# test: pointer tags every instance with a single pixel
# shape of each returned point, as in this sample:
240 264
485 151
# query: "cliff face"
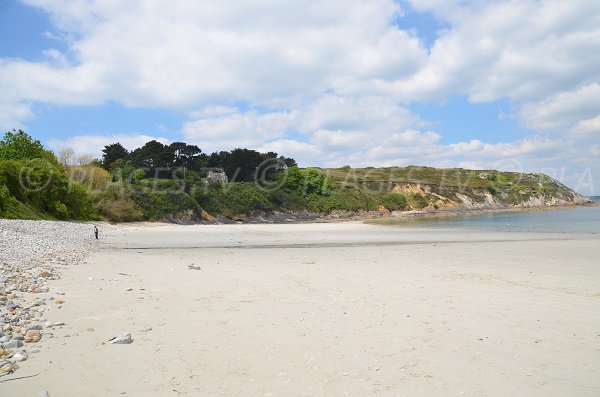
476 198
435 188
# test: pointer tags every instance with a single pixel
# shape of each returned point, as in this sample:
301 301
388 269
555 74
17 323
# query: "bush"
120 210
45 189
239 198
158 205
393 201
346 200
417 201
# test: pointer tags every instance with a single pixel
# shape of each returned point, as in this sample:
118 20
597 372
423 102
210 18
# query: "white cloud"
93 144
329 79
13 114
155 53
232 130
306 154
587 128
563 109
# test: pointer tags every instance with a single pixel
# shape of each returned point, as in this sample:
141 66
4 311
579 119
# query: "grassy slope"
509 188
352 189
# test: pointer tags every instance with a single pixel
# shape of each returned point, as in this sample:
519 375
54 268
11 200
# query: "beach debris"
45 394
194 267
123 339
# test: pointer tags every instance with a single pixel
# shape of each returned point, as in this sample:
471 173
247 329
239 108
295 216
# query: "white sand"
324 310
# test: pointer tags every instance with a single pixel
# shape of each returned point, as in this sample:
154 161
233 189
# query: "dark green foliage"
184 155
393 201
232 199
44 188
152 155
244 165
346 200
17 145
112 153
417 201
209 197
315 182
156 205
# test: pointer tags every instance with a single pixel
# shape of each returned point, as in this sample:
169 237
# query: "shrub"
393 201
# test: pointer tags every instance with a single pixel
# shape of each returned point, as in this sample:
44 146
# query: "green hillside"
179 183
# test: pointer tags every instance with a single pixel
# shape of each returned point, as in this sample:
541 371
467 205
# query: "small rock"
146 329
33 336
124 339
129 289
20 356
7 368
13 344
44 394
37 327
59 324
5 339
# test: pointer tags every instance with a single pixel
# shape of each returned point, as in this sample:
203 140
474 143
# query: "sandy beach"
337 309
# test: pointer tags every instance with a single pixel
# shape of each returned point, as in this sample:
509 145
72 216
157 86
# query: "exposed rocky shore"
31 254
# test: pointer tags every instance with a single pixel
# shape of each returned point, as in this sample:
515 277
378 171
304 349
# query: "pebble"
146 329
33 336
13 344
29 253
45 394
7 368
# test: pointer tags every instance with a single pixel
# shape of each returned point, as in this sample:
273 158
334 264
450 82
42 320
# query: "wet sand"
338 309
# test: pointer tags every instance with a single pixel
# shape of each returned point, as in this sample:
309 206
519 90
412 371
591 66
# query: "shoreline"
368 216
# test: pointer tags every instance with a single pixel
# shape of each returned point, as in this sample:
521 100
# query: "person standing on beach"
96 232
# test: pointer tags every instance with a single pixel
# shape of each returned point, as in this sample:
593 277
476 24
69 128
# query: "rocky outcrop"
547 194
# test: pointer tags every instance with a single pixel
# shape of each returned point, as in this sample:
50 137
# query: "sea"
560 220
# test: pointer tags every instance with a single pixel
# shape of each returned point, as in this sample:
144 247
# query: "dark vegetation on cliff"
178 182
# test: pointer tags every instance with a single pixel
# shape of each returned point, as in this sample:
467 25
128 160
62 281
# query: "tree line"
241 165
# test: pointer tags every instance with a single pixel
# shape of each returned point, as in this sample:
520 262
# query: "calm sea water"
568 220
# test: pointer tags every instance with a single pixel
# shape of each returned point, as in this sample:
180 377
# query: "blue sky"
477 84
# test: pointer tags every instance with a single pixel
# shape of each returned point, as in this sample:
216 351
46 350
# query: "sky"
485 84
